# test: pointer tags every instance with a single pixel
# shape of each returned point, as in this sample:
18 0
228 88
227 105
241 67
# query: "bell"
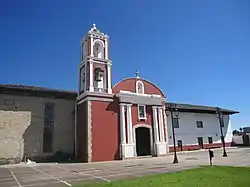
98 78
98 74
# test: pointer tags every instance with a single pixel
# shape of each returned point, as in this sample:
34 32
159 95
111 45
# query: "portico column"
129 124
91 87
155 121
122 124
161 124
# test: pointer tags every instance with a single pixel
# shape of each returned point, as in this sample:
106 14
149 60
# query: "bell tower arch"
95 65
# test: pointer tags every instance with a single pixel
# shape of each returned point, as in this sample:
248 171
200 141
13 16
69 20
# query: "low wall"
197 147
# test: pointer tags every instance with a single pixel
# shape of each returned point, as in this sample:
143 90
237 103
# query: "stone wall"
21 127
13 124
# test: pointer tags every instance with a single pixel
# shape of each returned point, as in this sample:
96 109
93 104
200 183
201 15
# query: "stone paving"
59 175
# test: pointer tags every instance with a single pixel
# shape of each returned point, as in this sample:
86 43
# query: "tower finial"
137 74
94 26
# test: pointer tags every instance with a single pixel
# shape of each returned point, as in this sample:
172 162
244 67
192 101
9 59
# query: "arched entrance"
143 143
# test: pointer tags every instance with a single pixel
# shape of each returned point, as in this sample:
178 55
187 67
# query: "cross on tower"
137 74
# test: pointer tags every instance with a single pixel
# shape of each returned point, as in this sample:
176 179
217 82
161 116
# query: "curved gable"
129 84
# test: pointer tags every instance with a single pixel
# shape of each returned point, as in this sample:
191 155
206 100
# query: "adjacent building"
102 121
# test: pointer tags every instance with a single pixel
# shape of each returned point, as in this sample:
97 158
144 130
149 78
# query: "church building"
101 121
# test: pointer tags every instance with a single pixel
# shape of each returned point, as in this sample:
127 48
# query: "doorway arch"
143 139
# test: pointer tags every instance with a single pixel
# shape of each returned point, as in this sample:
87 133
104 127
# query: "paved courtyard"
61 175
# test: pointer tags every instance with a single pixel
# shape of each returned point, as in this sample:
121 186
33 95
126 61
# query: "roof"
246 129
19 89
200 108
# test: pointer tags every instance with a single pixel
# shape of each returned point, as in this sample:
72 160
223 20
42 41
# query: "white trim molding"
109 78
95 99
129 124
106 49
160 143
127 143
89 130
138 94
155 122
91 46
91 81
122 124
161 128
99 41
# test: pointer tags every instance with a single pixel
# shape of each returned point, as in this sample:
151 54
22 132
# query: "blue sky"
197 51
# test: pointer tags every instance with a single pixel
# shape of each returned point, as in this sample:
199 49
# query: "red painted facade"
130 85
105 131
149 113
105 122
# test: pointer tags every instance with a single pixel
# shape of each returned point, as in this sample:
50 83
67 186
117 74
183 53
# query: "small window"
199 124
176 122
48 129
210 140
49 112
142 111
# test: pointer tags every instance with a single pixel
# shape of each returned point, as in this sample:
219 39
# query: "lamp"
176 112
221 122
169 109
167 112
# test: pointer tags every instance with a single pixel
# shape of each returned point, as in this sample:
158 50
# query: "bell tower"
95 66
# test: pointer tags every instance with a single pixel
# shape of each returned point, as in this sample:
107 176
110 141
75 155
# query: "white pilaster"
155 121
84 51
165 121
129 124
161 128
106 49
91 87
109 77
91 46
122 124
85 77
82 71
